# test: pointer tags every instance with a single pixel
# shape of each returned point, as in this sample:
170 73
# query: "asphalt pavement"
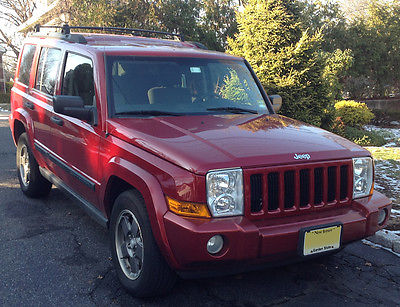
52 253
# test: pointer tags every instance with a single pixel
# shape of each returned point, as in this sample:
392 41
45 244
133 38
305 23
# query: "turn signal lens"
188 209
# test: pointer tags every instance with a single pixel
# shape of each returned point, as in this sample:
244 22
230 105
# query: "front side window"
78 78
48 68
26 63
181 85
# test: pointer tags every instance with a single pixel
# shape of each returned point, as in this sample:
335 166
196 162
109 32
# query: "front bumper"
263 241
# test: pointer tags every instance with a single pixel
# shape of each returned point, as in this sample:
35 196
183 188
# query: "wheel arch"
123 175
21 122
18 129
115 186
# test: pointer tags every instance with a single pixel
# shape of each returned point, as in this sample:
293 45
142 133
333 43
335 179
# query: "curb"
386 239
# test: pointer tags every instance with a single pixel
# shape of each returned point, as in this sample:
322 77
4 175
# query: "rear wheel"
140 266
32 183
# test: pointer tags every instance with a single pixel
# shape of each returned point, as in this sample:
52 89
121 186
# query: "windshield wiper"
233 110
149 113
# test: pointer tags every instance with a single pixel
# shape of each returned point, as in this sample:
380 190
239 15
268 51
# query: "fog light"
382 216
215 244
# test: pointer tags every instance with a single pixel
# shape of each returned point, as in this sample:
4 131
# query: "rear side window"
47 72
26 63
78 78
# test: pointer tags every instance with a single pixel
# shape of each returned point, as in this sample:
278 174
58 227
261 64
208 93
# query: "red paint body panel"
201 143
170 156
260 241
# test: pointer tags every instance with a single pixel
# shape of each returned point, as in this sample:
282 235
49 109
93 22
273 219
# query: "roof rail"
74 37
66 30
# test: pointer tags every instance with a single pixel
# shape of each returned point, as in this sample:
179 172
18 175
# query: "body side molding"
65 167
93 211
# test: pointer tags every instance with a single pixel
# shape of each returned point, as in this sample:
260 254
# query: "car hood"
202 143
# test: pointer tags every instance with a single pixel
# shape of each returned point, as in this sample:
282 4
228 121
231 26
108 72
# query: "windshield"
149 86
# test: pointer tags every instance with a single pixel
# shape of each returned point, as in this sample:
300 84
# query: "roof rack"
66 30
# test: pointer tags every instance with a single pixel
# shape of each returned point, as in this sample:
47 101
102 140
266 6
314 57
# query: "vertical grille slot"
289 189
256 184
343 182
273 191
331 183
318 185
304 187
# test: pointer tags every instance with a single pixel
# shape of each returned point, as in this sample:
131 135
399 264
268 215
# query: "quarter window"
47 73
78 78
26 64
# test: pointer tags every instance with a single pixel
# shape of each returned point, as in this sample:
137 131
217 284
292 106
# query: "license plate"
320 239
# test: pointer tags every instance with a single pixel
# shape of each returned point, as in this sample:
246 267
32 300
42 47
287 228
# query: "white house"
46 13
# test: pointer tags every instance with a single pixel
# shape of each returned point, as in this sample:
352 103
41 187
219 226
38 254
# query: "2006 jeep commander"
179 152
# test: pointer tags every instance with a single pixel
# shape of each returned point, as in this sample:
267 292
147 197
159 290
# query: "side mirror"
276 102
73 106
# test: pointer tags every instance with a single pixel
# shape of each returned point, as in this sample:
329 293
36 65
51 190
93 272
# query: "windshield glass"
149 86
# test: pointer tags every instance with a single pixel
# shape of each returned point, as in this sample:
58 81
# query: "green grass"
385 153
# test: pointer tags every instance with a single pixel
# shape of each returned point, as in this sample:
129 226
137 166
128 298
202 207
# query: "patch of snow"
395 123
392 135
391 144
395 212
387 172
366 242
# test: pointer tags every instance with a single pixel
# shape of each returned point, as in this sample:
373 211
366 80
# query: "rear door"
39 66
76 142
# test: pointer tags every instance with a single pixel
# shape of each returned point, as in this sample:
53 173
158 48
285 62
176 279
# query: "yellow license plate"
322 240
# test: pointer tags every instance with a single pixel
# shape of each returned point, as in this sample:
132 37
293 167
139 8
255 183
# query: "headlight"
225 192
363 176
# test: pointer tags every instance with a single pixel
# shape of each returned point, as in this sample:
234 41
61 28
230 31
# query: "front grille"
299 188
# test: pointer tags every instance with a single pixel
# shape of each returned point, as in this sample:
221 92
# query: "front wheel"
32 183
140 266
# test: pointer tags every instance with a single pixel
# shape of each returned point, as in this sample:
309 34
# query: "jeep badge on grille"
302 156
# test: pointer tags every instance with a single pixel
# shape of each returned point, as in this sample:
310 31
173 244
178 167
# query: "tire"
32 183
140 266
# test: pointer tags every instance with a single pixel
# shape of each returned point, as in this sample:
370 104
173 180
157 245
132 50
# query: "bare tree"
14 13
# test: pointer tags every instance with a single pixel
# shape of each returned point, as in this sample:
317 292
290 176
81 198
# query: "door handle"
57 121
29 105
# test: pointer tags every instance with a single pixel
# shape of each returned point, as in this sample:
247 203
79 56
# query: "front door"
76 142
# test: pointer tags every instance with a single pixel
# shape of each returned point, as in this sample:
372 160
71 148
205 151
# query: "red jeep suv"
178 151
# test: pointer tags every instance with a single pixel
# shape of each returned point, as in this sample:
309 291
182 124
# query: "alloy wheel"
129 244
24 166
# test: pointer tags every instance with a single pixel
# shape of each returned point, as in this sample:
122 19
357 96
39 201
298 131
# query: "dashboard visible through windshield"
150 86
